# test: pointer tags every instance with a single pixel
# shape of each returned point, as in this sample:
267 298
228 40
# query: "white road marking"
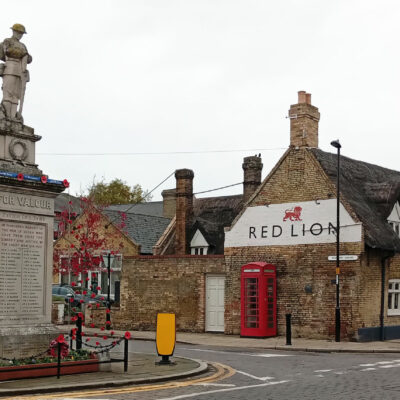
240 354
368 369
390 366
320 376
366 365
340 372
264 378
323 370
384 362
185 396
215 384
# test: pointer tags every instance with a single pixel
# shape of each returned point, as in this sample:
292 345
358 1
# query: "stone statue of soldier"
14 72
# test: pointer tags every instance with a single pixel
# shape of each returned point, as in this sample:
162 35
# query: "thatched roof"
212 215
372 192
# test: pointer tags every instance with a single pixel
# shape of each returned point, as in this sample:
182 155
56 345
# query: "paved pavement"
142 367
274 343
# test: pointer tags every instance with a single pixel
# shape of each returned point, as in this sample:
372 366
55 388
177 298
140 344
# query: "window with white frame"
394 297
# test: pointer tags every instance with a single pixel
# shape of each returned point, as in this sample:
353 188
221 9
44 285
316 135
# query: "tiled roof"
143 229
154 208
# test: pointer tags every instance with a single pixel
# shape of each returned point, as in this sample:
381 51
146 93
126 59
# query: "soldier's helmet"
18 28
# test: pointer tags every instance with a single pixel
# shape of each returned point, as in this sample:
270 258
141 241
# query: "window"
199 251
394 297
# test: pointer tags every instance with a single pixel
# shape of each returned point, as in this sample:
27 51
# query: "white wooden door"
215 303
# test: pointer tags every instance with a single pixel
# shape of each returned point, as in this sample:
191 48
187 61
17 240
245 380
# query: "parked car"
91 296
67 292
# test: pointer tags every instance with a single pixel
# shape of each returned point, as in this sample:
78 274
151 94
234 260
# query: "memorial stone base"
20 342
26 265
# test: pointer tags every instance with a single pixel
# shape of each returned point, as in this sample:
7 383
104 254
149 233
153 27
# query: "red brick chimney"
252 168
169 202
184 209
304 119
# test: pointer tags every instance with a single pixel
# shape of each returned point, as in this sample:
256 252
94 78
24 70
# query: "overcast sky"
212 79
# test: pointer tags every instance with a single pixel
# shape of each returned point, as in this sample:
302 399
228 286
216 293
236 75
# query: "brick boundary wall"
175 284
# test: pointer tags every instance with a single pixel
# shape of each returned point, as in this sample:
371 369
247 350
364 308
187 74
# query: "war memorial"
26 216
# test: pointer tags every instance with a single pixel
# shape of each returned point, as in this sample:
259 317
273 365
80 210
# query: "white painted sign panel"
292 223
344 257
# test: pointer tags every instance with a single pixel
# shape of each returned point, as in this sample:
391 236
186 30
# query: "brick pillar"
169 202
304 119
252 168
184 209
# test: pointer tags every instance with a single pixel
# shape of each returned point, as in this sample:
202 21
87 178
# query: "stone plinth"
26 261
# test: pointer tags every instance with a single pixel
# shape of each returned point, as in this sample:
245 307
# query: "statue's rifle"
24 72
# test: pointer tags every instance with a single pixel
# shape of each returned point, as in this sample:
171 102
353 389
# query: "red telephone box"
258 300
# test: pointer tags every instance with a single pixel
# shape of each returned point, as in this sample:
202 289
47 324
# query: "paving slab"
274 343
142 368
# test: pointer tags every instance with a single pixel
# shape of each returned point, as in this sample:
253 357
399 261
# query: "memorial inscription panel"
22 269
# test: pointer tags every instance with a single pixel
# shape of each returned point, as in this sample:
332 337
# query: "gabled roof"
212 214
154 208
371 191
143 229
61 203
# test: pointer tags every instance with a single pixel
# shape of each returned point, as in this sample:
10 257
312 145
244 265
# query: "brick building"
288 220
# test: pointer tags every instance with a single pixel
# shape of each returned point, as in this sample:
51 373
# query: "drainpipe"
383 280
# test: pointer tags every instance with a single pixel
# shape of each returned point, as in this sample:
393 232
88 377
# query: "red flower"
98 288
105 337
127 335
95 334
65 183
80 315
88 339
92 325
112 333
108 311
97 343
81 301
73 284
43 178
71 300
102 328
93 295
84 292
97 305
61 339
108 322
20 177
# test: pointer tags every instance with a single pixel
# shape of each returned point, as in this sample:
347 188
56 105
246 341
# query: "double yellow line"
222 372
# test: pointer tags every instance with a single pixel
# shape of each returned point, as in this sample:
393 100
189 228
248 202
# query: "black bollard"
58 360
126 354
288 329
79 333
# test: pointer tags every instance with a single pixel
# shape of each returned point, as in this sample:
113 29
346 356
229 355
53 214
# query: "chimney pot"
308 98
302 96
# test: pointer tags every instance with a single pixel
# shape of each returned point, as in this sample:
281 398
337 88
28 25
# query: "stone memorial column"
26 217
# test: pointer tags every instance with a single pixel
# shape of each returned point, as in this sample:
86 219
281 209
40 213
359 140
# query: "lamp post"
108 314
337 145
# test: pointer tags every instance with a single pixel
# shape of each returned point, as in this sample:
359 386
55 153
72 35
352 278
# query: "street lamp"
337 145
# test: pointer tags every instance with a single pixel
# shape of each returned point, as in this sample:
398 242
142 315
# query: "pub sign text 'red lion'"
292 223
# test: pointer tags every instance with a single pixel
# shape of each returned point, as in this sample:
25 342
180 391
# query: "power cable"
222 187
147 195
160 152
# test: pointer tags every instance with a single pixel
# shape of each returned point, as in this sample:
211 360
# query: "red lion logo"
293 214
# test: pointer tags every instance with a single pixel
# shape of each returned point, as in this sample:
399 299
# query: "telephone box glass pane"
251 303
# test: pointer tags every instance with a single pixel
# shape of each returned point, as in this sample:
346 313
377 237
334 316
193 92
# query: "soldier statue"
14 72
